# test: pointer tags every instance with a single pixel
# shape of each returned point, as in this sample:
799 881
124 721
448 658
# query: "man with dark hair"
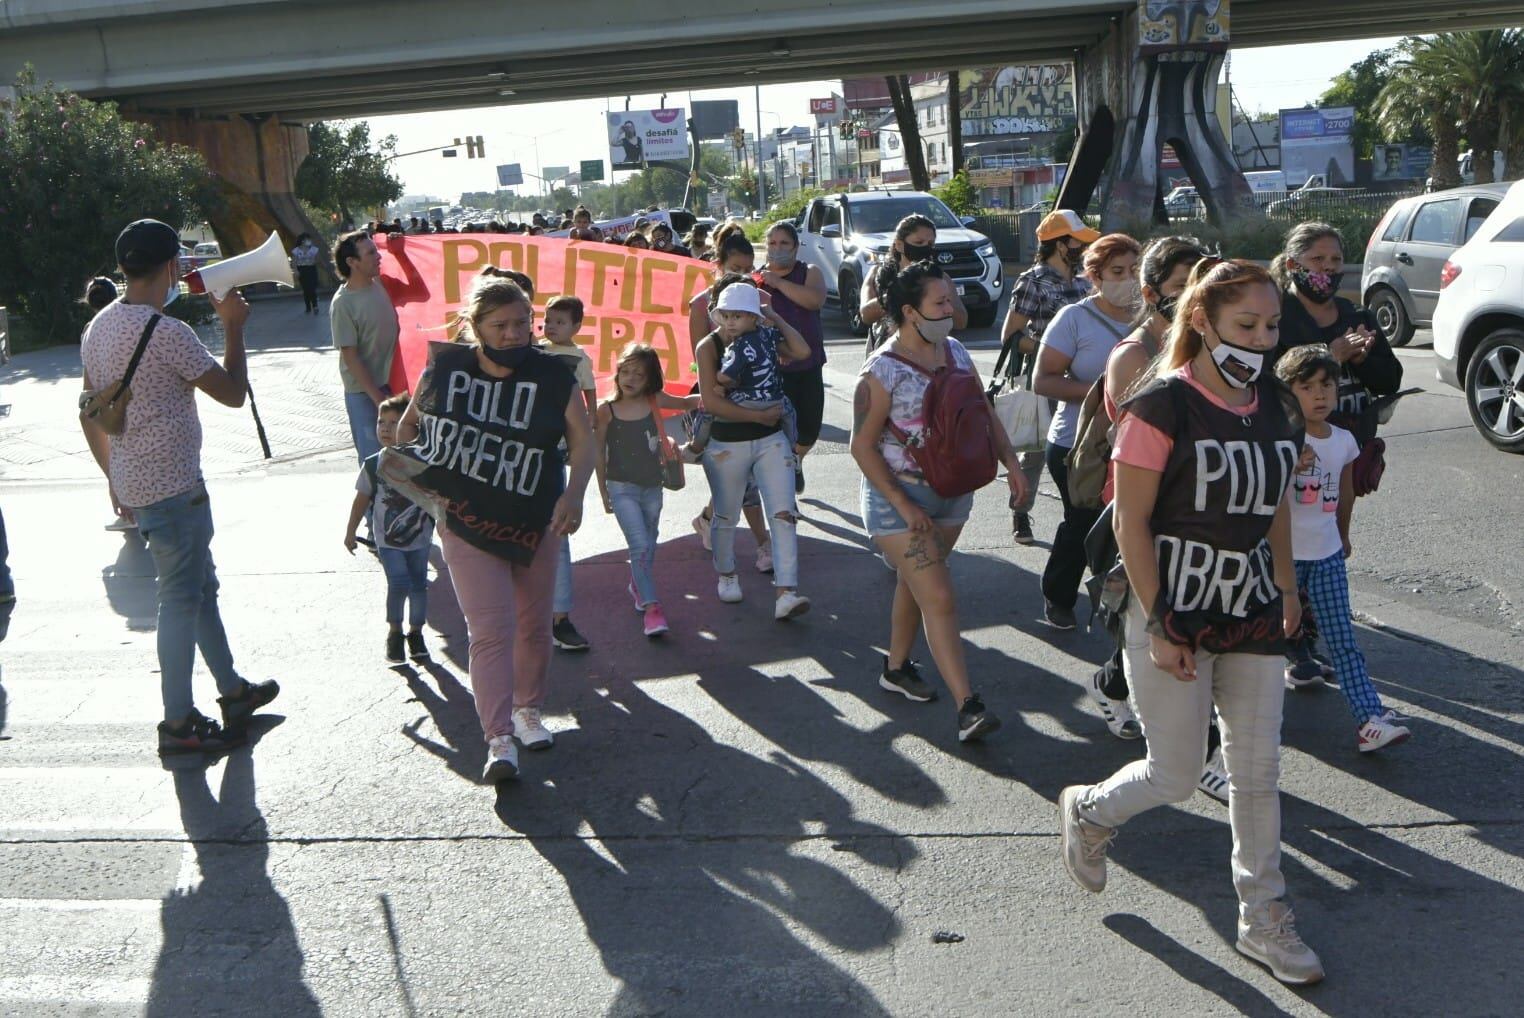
154 466
365 331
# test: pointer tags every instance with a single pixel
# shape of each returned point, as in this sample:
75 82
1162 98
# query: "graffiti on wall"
1182 24
1027 99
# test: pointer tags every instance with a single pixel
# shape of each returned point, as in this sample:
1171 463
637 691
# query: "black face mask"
919 252
511 357
1318 287
1166 307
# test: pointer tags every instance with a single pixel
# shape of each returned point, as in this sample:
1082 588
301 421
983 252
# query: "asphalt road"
734 820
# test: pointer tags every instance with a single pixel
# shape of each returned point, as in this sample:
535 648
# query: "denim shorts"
881 518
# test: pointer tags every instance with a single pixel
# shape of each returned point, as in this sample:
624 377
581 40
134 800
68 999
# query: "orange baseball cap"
1065 223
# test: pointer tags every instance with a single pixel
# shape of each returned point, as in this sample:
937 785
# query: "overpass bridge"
238 79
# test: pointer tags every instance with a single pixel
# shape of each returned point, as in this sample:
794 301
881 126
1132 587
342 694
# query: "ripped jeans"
770 463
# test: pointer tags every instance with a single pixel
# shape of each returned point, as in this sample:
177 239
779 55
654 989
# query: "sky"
564 133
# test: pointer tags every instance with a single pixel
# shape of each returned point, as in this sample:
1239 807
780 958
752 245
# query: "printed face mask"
508 356
1075 256
1318 287
934 330
1166 307
919 252
1122 293
1239 366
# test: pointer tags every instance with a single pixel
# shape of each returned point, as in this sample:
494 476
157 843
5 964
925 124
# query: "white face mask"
1123 293
173 294
934 330
1239 366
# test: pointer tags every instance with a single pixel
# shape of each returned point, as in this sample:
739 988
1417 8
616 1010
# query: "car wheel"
850 290
982 318
1391 315
1495 389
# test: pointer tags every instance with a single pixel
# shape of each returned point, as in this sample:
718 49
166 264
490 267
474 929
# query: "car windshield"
883 216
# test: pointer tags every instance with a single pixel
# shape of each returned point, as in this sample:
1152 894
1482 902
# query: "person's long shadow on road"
132 584
706 863
229 944
452 709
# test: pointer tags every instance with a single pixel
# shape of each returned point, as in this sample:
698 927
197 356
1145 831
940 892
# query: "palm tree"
1414 95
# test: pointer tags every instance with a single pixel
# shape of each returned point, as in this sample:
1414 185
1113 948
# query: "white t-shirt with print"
1315 498
159 454
907 399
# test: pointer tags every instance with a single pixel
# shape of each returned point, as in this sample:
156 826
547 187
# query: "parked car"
1408 248
1184 201
845 235
1479 323
1306 199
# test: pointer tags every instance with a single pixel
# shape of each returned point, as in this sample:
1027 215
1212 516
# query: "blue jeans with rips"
179 535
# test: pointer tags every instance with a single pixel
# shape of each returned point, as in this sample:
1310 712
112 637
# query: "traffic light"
474 148
847 130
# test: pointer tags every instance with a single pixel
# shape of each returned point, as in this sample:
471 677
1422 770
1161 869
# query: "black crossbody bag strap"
137 355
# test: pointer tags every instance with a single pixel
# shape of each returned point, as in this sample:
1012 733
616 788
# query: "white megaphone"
265 264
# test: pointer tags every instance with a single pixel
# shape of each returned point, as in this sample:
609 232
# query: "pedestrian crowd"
1209 425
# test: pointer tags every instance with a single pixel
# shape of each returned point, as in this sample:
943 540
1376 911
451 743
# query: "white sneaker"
1270 938
502 760
1214 777
530 730
790 604
1084 843
1117 713
765 557
702 525
1381 731
730 589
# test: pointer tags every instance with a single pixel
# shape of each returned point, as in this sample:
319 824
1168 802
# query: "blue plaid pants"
1327 586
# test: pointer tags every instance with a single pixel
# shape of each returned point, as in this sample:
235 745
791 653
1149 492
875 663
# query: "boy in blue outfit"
749 369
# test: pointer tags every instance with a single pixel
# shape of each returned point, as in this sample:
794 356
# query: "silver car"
1400 284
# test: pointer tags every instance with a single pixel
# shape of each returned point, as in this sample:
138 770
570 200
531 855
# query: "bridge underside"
307 61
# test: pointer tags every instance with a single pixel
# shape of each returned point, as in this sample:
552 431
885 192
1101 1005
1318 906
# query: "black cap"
146 244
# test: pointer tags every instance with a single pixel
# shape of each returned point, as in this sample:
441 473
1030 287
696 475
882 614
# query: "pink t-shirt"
1140 444
158 456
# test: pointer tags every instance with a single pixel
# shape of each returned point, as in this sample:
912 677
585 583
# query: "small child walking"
1322 502
403 533
629 435
563 317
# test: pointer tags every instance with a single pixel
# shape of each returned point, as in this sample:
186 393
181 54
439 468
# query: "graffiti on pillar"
1182 24
1021 99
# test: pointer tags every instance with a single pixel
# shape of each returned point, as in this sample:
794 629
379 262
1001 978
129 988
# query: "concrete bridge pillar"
255 158
1153 96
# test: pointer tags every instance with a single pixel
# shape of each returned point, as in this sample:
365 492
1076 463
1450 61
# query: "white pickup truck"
844 235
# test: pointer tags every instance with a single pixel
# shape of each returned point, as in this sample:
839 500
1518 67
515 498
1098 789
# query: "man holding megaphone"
138 411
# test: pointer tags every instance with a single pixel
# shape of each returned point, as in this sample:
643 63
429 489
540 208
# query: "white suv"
1479 323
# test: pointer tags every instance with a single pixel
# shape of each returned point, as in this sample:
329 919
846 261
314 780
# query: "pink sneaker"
656 619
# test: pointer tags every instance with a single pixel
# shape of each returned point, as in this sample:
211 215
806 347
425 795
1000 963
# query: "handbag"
671 460
109 412
1021 412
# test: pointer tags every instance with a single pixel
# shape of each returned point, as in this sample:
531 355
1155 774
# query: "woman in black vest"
485 425
1204 457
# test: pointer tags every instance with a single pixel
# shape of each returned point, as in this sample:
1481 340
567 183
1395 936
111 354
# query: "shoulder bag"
106 408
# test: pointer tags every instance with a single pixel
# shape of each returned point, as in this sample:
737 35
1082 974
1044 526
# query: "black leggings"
1066 562
308 277
806 390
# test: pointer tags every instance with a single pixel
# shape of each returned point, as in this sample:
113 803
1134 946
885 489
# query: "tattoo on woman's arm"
862 400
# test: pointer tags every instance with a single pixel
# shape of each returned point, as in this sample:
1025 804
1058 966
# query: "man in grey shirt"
365 333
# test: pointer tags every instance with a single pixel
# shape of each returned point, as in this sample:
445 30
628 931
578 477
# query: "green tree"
72 174
1360 86
344 172
959 195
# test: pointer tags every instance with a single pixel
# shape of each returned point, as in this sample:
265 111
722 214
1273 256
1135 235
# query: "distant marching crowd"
1211 425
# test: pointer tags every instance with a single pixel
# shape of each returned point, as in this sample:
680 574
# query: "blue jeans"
179 535
407 580
638 510
362 423
882 519
770 463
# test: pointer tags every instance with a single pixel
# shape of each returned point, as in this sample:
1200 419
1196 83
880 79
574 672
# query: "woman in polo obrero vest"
1204 457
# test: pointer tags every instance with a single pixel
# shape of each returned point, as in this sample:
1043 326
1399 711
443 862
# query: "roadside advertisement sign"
638 137
510 175
1318 142
629 295
823 107
1401 162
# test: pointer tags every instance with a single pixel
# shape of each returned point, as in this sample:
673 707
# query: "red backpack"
956 451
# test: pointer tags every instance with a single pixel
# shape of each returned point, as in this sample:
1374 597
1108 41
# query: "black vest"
1226 476
487 446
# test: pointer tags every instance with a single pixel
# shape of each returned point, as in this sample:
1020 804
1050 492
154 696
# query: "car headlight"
987 251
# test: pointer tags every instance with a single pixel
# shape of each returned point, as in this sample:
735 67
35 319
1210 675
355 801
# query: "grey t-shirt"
1084 335
366 320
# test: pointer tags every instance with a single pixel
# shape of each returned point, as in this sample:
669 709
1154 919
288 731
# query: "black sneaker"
1058 617
1021 528
394 655
798 478
236 712
974 721
199 734
906 680
416 649
566 637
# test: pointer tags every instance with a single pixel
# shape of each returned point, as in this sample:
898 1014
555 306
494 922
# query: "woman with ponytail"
1204 456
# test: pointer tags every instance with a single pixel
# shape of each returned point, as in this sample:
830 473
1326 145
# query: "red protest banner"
628 294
